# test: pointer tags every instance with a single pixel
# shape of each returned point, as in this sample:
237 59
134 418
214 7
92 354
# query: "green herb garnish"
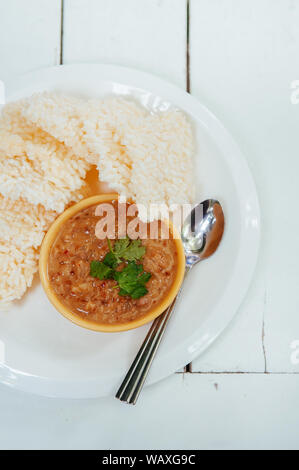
101 270
110 260
131 279
125 249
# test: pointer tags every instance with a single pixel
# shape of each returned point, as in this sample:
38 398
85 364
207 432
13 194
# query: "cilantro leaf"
132 280
122 292
121 245
110 260
144 277
100 270
134 251
126 249
140 291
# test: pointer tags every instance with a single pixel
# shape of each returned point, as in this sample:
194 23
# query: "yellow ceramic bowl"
64 310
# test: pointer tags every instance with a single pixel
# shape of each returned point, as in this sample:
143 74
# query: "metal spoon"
201 234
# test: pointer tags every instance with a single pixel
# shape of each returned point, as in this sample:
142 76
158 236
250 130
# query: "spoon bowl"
202 231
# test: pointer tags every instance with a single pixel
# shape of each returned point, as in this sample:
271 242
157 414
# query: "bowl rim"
67 312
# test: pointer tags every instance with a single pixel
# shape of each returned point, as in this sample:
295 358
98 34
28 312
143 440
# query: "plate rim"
41 385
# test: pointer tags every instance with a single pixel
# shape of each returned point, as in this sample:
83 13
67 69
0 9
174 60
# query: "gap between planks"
188 367
61 30
238 373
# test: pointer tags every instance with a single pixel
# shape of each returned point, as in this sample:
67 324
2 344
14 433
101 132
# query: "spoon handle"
135 378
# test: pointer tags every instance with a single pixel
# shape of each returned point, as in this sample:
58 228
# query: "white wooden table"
239 57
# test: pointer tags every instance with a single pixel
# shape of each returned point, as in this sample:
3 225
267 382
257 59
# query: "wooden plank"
244 56
29 36
193 412
240 347
148 35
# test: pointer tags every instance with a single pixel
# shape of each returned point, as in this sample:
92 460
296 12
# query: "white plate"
48 355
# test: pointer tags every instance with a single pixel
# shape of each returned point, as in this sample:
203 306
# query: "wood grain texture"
29 35
149 35
244 56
